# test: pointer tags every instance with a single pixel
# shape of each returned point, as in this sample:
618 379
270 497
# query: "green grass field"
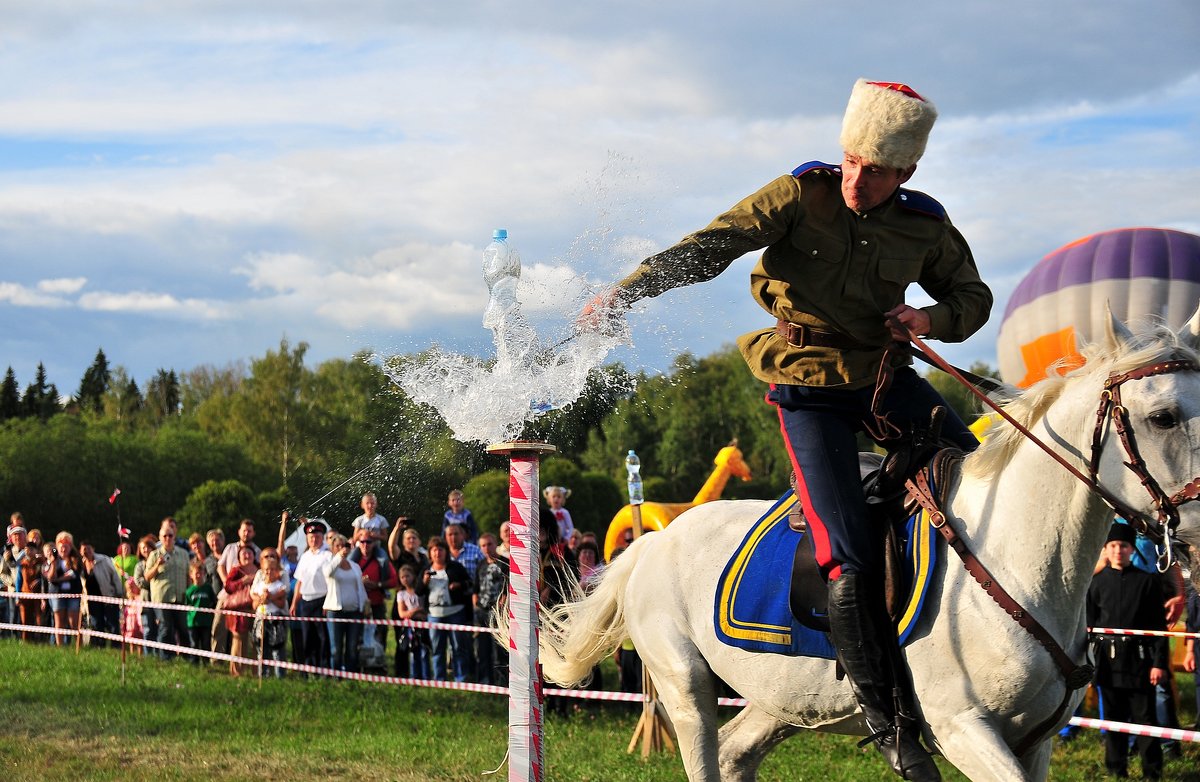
65 716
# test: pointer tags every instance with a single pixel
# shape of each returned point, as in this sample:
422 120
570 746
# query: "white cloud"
145 302
21 296
399 287
62 285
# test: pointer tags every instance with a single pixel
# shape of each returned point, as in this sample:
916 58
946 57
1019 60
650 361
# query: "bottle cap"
500 233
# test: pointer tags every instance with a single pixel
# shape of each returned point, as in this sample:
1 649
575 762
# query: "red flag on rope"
122 532
113 498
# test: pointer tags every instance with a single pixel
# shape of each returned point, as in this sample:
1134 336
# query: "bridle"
1166 507
1110 408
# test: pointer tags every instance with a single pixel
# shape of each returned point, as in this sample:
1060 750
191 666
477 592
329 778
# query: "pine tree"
96 380
162 395
10 396
41 398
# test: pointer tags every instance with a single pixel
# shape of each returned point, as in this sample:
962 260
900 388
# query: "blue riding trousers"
819 427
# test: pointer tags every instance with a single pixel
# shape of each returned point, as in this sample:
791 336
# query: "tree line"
215 444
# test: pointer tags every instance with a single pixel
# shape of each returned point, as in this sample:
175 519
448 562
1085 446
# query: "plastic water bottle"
501 271
633 465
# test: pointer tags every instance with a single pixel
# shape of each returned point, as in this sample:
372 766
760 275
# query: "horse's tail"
588 626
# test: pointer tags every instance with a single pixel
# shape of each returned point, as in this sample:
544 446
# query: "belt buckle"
800 332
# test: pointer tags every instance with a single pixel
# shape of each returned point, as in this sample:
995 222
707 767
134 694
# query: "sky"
187 183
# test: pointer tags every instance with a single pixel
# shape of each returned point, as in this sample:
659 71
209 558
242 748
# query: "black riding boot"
861 633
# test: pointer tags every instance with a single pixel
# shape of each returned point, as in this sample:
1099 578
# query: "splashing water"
490 401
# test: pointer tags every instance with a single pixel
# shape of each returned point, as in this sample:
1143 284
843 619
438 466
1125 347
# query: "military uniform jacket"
1129 599
831 268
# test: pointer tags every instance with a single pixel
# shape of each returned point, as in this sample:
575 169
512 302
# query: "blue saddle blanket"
752 610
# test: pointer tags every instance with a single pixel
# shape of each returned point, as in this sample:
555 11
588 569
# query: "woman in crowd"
64 574
346 599
145 545
269 594
449 588
409 552
588 555
237 590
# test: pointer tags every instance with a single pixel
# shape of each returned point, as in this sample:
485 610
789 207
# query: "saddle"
883 479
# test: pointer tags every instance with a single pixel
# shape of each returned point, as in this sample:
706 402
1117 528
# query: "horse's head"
1146 434
1129 417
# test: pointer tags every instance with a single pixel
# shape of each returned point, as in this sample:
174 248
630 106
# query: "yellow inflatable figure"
657 515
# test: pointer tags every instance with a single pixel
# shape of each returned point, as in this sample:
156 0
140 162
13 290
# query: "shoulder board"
915 201
816 165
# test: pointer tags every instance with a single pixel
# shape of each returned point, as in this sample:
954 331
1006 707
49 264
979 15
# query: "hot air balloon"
1060 303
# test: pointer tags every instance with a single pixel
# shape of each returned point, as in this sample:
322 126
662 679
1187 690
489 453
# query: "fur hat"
887 123
1121 532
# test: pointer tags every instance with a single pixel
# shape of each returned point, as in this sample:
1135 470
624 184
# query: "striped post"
526 756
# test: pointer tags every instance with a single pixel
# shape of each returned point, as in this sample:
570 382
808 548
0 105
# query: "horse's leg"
976 749
688 691
1037 760
748 738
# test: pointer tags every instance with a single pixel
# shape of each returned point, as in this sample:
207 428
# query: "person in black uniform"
1128 668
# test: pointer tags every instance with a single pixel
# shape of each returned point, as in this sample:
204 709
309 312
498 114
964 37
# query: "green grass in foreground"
67 717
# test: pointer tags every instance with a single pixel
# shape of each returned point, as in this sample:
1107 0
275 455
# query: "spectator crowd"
304 599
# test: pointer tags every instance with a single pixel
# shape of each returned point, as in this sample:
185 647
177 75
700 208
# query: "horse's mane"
1152 341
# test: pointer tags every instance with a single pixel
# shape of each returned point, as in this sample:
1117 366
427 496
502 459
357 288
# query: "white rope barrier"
1151 633
1137 730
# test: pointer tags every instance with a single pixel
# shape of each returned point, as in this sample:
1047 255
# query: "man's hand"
1174 608
916 321
601 311
1189 662
1157 676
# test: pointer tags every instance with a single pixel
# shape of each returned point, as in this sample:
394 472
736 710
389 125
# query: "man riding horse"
842 244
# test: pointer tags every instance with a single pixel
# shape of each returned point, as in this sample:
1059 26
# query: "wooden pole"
526 753
652 728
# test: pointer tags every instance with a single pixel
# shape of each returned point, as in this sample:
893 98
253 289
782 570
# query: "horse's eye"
1163 419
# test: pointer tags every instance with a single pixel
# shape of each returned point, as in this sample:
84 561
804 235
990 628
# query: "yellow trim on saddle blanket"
756 630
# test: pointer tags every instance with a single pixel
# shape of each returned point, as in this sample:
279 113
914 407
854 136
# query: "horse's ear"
1190 333
1116 333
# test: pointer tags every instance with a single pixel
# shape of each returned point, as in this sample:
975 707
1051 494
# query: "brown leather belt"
800 336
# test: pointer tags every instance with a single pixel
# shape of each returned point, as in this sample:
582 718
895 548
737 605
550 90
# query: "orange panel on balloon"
1045 350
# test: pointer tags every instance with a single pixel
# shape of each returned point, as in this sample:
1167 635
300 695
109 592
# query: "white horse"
983 683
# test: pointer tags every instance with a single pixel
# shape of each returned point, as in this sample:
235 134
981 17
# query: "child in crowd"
32 581
556 498
411 641
131 623
269 597
199 595
459 514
